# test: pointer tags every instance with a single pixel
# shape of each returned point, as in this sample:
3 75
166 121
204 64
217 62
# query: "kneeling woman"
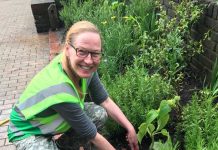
53 102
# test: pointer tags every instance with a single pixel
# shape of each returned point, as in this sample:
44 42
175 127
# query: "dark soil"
120 143
192 83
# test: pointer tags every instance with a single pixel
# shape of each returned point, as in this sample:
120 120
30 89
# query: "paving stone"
7 142
3 107
10 87
12 101
6 111
8 147
3 117
2 142
9 82
23 53
2 93
3 129
3 135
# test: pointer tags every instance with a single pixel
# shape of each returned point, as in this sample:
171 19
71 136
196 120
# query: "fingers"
136 147
133 143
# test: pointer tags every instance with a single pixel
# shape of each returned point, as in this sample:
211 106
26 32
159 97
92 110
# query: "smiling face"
86 41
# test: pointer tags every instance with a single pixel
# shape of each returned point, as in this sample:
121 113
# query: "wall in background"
203 63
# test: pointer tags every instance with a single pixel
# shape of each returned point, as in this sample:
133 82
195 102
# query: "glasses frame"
100 54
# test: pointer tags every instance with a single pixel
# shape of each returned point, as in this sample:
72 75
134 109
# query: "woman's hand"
114 112
101 143
132 139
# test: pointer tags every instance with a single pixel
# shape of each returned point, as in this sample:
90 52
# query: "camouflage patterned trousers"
68 141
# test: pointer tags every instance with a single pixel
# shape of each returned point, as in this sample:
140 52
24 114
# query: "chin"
85 75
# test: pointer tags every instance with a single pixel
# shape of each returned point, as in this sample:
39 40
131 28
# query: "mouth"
86 68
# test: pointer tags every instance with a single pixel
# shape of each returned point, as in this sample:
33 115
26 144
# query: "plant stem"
152 142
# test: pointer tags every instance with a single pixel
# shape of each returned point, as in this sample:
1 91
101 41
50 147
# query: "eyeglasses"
83 53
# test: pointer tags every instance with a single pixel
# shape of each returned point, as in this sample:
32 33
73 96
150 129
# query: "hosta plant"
155 122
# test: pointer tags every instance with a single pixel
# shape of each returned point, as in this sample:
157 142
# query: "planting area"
145 68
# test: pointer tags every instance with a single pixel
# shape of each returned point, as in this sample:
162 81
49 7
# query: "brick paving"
23 52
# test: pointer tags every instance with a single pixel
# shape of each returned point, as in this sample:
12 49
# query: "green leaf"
162 122
168 145
142 131
172 102
151 116
151 128
159 146
164 109
215 92
115 4
165 132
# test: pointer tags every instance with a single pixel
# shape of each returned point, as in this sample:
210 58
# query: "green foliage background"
200 122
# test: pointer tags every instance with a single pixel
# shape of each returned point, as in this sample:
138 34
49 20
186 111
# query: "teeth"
84 67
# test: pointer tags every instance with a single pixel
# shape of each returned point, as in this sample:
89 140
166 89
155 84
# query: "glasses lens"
82 53
96 56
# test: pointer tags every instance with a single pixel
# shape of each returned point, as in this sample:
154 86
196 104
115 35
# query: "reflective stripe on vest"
53 90
34 104
14 129
53 126
31 107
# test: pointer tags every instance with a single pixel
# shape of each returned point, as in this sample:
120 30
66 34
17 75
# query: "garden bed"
192 83
146 56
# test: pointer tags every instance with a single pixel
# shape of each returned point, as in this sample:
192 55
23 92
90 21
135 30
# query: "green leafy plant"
159 117
135 92
200 122
170 48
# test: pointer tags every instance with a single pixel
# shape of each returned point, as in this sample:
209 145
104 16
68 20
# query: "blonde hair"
80 27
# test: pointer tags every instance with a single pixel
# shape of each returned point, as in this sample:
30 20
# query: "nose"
88 59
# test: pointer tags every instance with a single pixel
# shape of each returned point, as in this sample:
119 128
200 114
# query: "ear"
66 49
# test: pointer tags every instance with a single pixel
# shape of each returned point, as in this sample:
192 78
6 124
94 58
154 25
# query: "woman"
53 102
